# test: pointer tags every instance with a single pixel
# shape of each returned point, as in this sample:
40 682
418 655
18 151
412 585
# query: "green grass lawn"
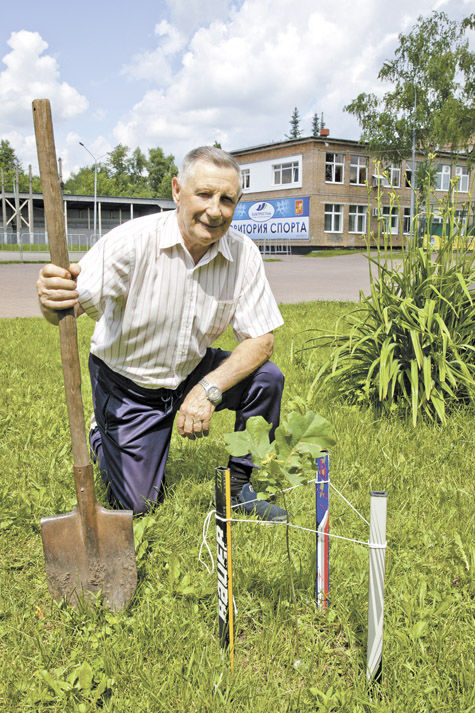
162 654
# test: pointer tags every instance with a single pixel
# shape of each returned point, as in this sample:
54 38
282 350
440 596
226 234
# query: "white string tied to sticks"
207 521
204 542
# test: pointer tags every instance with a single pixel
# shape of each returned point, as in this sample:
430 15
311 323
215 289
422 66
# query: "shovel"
89 550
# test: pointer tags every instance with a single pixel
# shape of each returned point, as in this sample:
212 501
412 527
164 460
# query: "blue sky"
180 73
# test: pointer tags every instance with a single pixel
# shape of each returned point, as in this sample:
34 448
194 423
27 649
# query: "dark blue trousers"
134 424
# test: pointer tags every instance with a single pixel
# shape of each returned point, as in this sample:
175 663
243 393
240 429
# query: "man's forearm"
245 358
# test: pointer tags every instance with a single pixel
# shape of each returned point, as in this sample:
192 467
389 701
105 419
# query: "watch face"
214 393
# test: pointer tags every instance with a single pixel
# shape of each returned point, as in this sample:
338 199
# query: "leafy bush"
410 343
298 441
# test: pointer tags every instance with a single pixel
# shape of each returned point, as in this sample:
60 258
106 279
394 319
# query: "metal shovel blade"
74 569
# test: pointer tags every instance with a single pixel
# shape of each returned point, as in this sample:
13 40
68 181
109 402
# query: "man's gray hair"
210 154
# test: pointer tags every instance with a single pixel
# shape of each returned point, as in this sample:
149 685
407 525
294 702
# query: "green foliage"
124 173
298 441
162 654
161 170
77 687
316 125
11 164
8 159
127 174
410 344
433 91
295 130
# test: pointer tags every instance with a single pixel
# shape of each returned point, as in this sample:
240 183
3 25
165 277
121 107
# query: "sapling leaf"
312 449
298 440
254 440
293 478
299 429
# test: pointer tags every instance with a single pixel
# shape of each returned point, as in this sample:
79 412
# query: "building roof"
162 203
324 140
327 141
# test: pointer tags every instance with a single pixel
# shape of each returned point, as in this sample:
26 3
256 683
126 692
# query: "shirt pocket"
218 317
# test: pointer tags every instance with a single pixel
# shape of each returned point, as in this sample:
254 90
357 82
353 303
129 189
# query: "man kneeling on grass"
161 289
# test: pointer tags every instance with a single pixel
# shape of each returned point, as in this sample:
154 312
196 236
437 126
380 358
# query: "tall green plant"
410 343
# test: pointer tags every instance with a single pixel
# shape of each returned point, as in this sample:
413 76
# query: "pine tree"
295 131
316 125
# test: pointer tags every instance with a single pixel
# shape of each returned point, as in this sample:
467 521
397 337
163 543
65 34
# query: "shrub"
410 343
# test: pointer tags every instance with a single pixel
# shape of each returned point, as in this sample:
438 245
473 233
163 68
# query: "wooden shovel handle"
53 203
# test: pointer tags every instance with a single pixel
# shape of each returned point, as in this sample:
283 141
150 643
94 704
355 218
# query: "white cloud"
226 70
239 74
157 64
188 15
32 74
242 75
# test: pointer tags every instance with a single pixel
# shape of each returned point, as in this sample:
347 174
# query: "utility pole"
95 188
413 162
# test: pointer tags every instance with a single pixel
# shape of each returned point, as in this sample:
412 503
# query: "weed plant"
162 654
410 343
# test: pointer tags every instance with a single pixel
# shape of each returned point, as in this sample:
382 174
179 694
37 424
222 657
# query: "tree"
295 131
82 182
10 163
316 125
127 174
433 92
8 157
161 170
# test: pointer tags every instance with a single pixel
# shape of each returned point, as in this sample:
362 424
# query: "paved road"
293 278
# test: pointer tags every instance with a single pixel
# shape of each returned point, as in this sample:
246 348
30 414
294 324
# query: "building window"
334 168
358 170
286 173
391 219
357 219
462 173
392 176
461 220
406 221
408 175
245 178
333 217
442 178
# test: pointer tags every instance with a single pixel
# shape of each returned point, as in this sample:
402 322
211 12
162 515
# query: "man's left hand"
195 414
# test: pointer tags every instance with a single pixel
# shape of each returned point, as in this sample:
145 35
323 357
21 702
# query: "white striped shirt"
157 312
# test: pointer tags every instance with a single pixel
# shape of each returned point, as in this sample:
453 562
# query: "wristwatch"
213 392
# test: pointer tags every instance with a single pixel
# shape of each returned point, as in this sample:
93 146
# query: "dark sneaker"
246 501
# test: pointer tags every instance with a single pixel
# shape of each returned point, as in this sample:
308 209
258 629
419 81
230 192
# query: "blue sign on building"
283 218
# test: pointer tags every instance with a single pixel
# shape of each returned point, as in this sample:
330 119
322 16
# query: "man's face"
205 204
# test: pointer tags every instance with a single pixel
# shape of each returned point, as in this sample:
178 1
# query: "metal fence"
275 247
37 241
82 240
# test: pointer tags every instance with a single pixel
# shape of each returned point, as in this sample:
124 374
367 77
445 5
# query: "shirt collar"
174 237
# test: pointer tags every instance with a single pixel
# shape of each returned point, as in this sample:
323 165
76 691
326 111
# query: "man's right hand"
56 289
